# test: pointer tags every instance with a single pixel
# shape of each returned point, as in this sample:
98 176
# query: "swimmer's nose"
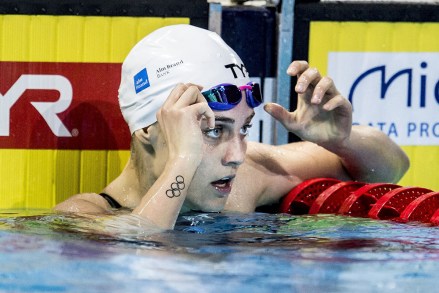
235 152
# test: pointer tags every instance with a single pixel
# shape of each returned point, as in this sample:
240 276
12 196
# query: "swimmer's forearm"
370 156
163 201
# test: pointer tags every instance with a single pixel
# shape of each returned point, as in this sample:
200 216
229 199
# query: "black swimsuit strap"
113 203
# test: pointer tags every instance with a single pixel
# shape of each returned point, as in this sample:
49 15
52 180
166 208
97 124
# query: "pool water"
41 251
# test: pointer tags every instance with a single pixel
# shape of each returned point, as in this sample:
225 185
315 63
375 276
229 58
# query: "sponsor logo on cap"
141 81
242 70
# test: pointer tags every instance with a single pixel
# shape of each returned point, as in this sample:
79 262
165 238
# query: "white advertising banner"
395 92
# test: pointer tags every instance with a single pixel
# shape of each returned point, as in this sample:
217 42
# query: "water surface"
45 252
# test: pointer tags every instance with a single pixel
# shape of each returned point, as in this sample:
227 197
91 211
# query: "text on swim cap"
166 69
241 68
141 81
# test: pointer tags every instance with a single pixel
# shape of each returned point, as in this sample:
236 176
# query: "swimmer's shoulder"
275 170
86 203
266 154
291 155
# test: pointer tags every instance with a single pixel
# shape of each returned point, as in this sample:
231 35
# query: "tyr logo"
47 110
241 68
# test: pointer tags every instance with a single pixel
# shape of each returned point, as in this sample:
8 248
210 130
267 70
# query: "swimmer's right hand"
180 120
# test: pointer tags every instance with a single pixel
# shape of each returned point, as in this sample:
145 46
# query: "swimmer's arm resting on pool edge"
332 147
277 169
323 116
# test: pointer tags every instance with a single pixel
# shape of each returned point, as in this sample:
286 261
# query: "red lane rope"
383 201
361 201
421 209
391 205
300 198
435 218
330 200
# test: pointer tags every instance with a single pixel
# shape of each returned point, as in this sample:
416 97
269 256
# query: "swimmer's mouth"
224 185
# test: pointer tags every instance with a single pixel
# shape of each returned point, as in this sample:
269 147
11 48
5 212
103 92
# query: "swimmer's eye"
246 129
213 132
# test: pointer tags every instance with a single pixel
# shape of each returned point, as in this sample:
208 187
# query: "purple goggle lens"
226 96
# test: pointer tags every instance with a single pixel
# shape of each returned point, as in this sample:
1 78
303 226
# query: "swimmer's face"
224 151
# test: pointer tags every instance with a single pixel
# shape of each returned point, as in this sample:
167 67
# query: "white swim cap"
168 56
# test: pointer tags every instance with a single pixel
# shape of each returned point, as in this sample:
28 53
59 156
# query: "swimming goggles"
226 96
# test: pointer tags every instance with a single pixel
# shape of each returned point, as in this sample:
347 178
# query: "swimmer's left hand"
323 115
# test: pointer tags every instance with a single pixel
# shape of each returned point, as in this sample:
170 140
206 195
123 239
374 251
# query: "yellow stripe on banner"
40 171
38 38
67 172
13 174
42 178
328 37
424 169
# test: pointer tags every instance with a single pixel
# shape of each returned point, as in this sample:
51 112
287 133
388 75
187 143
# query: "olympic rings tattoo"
176 187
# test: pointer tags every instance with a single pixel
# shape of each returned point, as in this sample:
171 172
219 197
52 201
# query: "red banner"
45 105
